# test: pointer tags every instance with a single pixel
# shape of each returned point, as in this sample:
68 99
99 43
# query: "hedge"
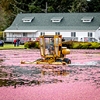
81 45
68 44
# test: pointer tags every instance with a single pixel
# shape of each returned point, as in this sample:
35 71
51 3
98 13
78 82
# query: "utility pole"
46 10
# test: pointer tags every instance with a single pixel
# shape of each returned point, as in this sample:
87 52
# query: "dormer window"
87 19
28 19
56 19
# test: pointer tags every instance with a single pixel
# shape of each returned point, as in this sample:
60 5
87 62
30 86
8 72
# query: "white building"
72 26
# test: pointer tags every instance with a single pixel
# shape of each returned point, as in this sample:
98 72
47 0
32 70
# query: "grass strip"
11 46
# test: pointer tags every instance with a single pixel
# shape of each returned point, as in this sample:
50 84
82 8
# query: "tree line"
10 8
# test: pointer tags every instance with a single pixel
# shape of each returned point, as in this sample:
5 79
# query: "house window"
57 33
90 34
73 34
24 34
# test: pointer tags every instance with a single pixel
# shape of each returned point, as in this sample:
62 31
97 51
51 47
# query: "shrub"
67 44
31 44
37 44
94 45
1 35
81 45
85 45
26 45
76 45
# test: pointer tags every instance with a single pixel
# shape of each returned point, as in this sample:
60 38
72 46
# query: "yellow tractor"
51 50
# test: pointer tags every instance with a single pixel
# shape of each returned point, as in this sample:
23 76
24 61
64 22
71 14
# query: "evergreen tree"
79 6
94 6
10 8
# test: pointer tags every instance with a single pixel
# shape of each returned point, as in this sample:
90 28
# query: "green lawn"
11 46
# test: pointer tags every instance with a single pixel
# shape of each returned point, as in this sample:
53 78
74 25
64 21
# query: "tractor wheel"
68 61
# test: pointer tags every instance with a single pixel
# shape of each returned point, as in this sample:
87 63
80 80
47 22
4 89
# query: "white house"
72 26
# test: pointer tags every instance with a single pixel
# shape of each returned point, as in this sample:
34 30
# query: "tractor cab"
51 49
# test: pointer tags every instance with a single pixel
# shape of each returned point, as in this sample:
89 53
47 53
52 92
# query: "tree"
6 12
79 6
61 6
34 9
50 9
10 8
2 19
94 6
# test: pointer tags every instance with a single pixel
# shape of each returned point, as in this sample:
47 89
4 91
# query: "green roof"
42 21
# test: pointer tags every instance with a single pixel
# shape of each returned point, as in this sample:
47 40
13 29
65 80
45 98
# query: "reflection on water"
18 76
54 70
31 76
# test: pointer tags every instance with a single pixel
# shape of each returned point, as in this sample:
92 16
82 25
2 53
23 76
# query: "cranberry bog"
79 80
